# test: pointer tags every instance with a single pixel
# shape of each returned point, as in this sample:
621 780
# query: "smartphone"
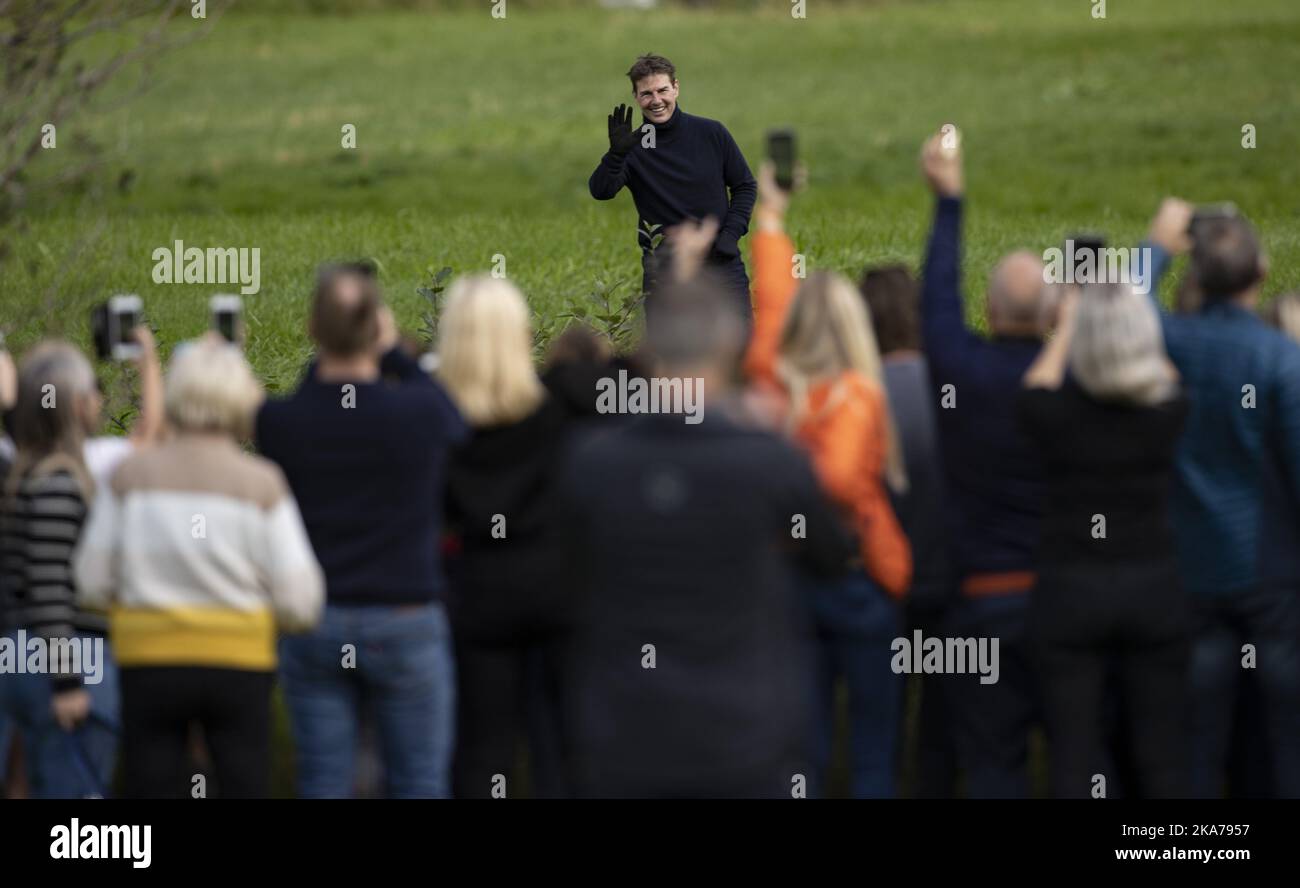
227 313
1087 245
111 324
780 148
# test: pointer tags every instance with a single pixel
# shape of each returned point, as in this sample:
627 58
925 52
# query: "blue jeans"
399 665
1269 620
63 764
856 624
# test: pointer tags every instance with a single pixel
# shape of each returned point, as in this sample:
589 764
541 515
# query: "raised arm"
1048 369
1168 237
148 427
943 323
774 280
610 174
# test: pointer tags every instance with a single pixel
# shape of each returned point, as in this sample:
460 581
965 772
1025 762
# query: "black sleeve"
609 177
744 191
827 541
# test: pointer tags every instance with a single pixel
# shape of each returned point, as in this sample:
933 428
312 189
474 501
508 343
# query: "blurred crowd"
499 587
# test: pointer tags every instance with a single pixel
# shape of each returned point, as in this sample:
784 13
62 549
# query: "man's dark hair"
1226 258
891 297
695 323
650 64
345 327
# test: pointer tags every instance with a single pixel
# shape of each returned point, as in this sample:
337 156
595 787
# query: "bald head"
1015 295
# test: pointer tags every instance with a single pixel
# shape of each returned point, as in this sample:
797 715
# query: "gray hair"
210 388
54 377
1118 350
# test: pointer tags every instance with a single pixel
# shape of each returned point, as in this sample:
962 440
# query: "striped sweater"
199 554
39 526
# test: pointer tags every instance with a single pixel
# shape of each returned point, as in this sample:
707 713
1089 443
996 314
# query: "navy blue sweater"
686 175
994 474
369 478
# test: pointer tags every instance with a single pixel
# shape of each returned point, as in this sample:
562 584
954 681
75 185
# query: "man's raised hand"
1170 226
941 162
622 138
691 242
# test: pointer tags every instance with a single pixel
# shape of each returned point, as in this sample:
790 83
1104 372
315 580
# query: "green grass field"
476 136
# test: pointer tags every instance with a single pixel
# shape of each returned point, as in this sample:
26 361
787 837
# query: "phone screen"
226 324
1086 245
127 321
780 147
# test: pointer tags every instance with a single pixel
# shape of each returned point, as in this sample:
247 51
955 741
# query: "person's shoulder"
264 476
105 453
1286 351
707 124
275 411
857 394
861 387
53 480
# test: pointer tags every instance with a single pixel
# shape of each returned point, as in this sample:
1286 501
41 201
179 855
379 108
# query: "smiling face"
657 96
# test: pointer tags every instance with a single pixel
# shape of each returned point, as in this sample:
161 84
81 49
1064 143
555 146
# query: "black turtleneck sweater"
686 175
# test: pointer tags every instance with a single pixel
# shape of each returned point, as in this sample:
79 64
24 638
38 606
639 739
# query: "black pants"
935 763
231 706
991 722
1129 622
506 694
731 272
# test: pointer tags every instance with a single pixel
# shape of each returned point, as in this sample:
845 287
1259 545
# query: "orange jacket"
844 428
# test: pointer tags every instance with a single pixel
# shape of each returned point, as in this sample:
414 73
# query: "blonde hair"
48 429
827 332
485 344
1118 351
210 388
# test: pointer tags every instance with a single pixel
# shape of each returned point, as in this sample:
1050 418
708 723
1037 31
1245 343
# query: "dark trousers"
1111 632
1270 622
231 706
991 722
732 273
507 693
935 762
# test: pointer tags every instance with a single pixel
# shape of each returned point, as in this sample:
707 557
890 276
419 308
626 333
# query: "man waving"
678 167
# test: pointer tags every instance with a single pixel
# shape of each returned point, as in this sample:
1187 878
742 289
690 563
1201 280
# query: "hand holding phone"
227 317
781 151
112 326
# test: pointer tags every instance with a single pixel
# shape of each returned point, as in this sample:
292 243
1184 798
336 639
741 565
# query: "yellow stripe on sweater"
193 636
